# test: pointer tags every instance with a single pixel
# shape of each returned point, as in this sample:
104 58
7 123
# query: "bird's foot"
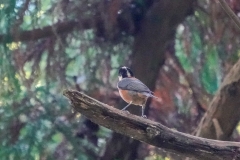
126 111
144 116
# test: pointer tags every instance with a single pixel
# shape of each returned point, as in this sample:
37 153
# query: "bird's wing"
133 84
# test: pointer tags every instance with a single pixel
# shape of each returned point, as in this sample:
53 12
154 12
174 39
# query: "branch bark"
151 132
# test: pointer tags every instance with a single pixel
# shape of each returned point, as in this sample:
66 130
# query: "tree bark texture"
151 132
223 114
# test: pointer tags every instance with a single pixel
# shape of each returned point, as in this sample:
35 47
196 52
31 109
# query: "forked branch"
152 132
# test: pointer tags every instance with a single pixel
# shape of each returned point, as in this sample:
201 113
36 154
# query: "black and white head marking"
124 72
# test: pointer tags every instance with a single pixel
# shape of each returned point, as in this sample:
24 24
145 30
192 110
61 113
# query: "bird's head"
125 72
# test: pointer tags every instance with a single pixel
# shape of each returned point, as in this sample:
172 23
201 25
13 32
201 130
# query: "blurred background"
180 49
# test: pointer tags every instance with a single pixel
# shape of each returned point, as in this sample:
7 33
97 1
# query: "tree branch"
48 31
151 132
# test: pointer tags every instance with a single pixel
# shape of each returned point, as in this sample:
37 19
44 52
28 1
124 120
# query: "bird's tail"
154 97
150 94
157 98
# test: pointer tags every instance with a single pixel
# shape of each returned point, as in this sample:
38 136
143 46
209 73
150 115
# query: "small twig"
218 128
151 132
229 11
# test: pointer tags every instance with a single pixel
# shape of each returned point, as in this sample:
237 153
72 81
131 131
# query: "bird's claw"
144 116
126 111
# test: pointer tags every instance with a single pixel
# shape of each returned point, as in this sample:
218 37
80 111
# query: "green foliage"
211 74
199 57
36 121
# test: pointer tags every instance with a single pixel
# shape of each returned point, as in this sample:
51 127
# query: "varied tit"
132 90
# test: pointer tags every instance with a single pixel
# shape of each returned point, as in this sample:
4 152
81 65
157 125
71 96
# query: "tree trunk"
155 30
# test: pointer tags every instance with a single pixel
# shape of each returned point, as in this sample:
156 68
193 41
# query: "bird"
132 90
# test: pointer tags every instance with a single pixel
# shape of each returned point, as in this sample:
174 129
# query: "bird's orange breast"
132 96
125 95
